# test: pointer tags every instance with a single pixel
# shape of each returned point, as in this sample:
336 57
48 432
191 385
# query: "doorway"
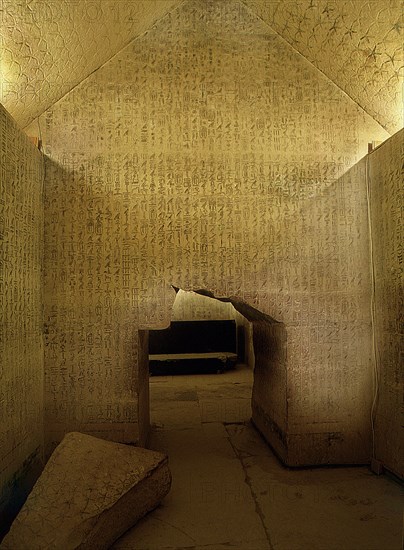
213 384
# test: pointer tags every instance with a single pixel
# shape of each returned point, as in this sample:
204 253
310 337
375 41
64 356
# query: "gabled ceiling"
49 46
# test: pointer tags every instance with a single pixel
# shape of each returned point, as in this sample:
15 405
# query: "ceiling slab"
358 44
49 46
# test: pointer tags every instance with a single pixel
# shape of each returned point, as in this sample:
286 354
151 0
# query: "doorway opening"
202 366
205 335
251 388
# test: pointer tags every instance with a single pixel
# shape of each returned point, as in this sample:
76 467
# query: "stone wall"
329 339
21 341
206 154
387 197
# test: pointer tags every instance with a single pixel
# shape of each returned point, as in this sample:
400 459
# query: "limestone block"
90 492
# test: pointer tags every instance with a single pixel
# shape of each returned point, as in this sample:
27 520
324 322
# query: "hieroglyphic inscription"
21 365
205 155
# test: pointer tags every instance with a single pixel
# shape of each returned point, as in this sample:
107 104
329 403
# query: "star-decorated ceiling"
358 44
50 46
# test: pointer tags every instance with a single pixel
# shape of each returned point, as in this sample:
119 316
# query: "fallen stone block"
90 492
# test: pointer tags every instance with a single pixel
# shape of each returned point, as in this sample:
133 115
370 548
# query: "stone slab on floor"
90 492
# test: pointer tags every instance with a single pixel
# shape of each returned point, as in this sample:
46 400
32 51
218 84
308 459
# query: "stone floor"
229 490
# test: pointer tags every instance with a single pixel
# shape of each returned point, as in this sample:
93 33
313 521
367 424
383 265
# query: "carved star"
373 54
335 27
351 31
327 10
397 27
390 58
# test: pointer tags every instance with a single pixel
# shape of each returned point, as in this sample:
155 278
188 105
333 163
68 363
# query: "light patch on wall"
190 306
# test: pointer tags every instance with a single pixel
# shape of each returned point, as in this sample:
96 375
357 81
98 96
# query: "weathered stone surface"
90 492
